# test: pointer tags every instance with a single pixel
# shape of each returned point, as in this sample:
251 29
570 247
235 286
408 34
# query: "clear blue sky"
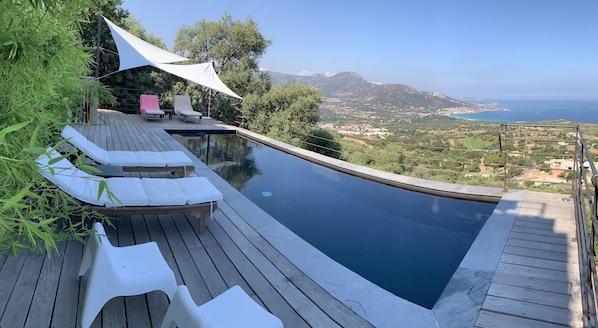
461 48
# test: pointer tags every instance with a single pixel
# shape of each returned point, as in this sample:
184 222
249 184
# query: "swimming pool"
405 242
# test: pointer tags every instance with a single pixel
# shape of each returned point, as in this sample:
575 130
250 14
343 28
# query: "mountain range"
348 93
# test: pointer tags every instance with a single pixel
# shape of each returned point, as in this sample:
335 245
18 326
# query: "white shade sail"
203 74
134 52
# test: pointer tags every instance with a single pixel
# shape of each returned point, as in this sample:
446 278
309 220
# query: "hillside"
348 94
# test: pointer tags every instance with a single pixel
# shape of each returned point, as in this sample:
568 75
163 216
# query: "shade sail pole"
98 40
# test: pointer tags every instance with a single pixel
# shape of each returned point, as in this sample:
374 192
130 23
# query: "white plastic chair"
231 309
120 271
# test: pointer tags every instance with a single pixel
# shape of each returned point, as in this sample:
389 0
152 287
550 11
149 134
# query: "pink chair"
148 105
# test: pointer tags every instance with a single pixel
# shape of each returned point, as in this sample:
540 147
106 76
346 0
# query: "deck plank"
209 274
489 319
136 309
226 270
45 291
528 271
113 313
535 244
8 276
157 302
557 240
533 296
537 253
66 312
539 312
184 262
22 294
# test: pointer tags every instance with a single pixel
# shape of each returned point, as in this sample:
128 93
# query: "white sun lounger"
182 107
131 161
195 195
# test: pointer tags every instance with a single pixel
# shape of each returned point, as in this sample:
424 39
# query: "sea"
538 110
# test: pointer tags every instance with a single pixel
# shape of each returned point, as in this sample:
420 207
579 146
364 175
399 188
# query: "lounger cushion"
86 188
71 180
190 113
83 144
198 190
122 158
61 168
127 191
176 158
153 112
163 192
150 159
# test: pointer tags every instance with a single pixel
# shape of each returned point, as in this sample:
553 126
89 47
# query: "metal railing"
584 195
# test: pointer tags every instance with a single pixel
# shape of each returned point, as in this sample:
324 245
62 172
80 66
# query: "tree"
235 48
42 64
284 112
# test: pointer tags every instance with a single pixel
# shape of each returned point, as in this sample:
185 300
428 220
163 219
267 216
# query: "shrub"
42 64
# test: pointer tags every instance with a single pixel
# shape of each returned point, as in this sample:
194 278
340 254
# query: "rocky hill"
349 94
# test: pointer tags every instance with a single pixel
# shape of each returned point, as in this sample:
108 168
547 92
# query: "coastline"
532 110
475 109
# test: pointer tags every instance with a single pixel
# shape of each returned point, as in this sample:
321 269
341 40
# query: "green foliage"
494 159
475 143
231 43
283 111
42 65
323 142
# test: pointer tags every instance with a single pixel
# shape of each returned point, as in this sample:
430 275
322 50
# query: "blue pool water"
405 242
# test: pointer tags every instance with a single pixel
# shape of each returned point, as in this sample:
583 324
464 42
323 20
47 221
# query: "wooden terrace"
536 283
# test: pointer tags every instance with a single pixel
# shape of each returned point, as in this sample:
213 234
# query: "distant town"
361 130
366 130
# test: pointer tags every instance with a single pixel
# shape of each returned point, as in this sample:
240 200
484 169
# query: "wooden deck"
536 284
